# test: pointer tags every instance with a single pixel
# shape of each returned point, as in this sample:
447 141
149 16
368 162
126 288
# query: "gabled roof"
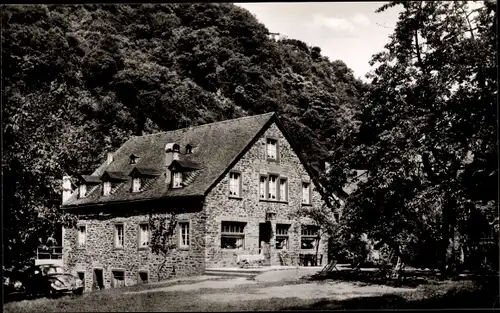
144 171
218 147
89 179
114 176
185 164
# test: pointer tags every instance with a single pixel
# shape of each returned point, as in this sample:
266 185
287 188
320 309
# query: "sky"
347 31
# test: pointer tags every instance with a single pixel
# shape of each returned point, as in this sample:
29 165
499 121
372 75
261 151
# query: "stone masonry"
250 209
99 251
205 225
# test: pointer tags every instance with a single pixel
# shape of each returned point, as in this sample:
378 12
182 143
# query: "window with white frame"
232 235
272 181
272 148
282 236
262 187
143 235
119 236
309 236
235 184
118 278
136 184
177 180
82 235
83 191
283 189
184 234
106 188
306 193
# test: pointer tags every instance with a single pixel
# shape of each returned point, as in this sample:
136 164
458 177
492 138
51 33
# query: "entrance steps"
247 272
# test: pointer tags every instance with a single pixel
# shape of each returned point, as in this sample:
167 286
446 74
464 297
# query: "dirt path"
332 291
208 283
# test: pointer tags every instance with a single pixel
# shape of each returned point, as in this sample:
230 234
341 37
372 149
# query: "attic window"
133 159
177 180
106 188
189 149
136 184
82 191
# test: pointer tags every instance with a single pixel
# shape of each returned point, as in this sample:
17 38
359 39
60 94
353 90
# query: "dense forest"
78 80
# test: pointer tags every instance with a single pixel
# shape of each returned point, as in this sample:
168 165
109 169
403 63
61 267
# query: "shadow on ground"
477 292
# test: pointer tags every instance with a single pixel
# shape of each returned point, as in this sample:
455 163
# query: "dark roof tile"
217 146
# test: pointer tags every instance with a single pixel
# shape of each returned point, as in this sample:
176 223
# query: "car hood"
66 279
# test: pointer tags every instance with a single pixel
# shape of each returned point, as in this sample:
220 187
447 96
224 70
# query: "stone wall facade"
252 211
99 251
205 225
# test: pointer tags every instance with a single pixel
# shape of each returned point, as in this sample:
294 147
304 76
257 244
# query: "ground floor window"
143 278
81 276
309 236
117 278
232 235
282 236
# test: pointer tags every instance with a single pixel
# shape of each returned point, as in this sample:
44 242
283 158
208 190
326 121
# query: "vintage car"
51 280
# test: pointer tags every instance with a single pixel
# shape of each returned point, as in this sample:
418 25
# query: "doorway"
265 231
98 279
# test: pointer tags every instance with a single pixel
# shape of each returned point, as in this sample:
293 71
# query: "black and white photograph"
250 156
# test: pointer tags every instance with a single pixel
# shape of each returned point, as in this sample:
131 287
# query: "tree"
427 132
162 228
79 80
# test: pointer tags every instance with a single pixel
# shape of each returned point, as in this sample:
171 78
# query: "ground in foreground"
280 290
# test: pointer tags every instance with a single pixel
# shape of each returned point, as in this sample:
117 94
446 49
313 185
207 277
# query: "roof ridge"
208 124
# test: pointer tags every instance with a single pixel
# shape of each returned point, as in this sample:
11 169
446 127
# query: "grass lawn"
444 294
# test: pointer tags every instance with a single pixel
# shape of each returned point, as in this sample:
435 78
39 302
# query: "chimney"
172 151
110 158
67 189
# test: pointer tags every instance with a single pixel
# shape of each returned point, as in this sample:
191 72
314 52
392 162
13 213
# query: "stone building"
235 186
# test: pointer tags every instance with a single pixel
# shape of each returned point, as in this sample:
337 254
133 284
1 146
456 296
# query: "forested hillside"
78 80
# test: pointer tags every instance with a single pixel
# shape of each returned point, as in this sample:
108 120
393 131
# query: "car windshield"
53 270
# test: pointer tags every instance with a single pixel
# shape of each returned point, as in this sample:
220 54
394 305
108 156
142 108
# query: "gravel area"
332 291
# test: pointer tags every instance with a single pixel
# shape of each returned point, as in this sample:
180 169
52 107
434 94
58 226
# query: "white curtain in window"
272 187
106 188
136 184
271 149
234 184
177 179
81 235
144 241
239 243
262 187
305 193
83 190
283 190
119 235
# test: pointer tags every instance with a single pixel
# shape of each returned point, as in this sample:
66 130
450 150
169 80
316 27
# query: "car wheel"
78 291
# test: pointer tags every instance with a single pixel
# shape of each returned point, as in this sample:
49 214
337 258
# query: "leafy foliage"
427 134
79 80
162 228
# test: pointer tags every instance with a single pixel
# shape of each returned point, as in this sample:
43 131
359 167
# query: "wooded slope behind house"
79 80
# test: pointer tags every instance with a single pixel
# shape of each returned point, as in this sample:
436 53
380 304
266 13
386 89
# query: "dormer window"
133 159
106 188
271 149
189 149
176 180
136 184
82 191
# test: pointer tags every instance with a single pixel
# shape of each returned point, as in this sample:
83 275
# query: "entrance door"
265 240
98 283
